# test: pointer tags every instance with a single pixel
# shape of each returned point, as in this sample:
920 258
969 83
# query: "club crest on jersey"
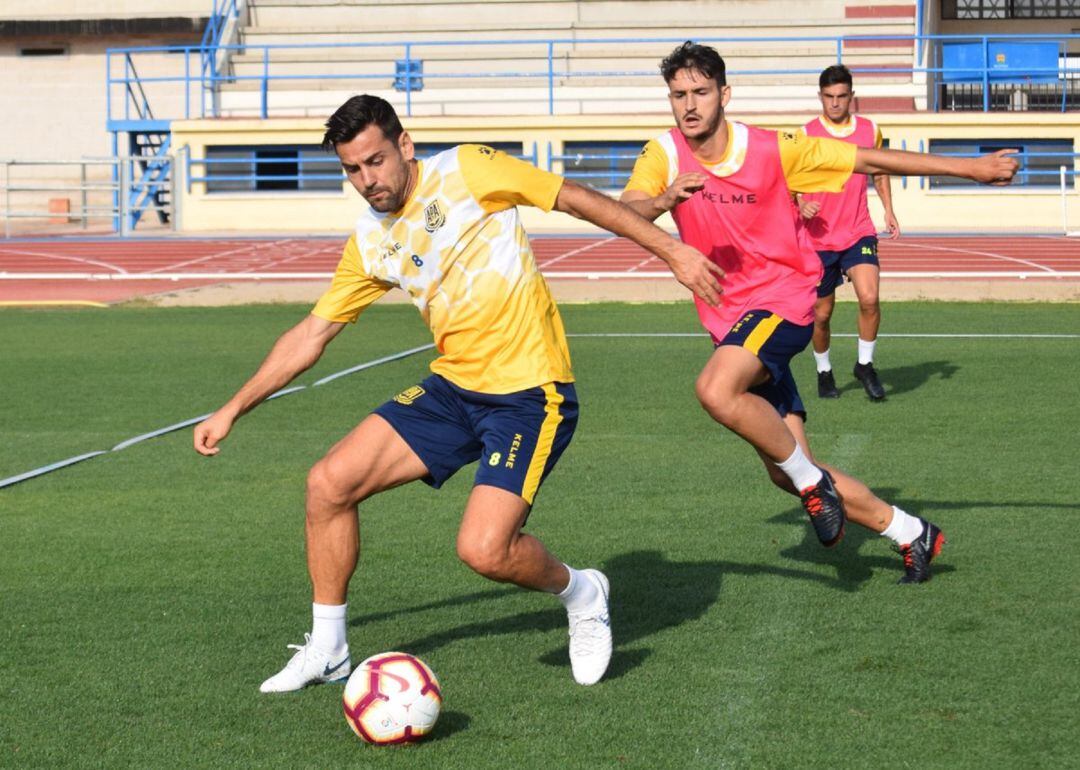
409 395
434 217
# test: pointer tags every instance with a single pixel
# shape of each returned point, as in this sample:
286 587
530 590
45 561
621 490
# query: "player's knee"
714 398
484 557
868 304
822 316
325 489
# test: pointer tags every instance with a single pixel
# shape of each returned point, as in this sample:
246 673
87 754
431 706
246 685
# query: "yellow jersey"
458 248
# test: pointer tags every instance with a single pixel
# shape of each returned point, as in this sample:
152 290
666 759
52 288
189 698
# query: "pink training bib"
748 224
844 217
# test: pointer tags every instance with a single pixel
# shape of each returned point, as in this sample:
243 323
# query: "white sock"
328 626
800 470
822 359
580 593
903 528
866 351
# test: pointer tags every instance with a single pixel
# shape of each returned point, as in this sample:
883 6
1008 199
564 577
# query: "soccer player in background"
729 189
844 235
447 231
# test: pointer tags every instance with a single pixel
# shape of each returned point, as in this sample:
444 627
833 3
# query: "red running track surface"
110 270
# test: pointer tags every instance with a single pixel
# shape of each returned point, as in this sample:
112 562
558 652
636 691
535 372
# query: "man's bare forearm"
294 352
989 169
625 220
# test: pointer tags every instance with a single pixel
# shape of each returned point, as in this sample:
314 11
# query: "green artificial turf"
146 593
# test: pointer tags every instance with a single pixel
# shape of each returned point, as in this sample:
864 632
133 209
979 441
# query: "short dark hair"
691 55
831 76
358 113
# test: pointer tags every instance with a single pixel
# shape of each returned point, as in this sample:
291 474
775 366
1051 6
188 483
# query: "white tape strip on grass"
369 364
185 423
48 468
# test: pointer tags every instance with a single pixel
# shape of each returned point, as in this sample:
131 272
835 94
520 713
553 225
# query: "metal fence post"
408 79
125 183
551 76
174 189
265 78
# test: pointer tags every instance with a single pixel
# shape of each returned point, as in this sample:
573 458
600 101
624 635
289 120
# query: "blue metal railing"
551 66
223 13
251 179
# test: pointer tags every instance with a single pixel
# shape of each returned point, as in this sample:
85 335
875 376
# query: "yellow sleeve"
351 290
498 181
650 174
879 140
815 164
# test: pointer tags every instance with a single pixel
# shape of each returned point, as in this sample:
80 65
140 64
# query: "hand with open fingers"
681 189
997 168
210 432
697 273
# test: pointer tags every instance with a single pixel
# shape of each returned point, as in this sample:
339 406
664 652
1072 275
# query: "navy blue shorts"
837 263
775 342
517 437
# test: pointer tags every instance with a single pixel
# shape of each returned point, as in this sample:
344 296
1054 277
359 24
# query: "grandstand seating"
461 74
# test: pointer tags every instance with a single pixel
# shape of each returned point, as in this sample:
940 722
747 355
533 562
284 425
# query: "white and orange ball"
392 697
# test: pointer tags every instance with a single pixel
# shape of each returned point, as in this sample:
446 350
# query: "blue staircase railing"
145 185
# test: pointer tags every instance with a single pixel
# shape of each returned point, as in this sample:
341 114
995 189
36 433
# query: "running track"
114 270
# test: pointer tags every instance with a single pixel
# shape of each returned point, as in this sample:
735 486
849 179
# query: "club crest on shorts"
434 217
409 395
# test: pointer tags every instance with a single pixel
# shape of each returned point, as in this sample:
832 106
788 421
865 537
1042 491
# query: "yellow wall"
982 209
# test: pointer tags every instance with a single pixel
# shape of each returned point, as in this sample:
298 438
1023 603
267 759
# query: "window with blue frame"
606 165
268 168
1040 159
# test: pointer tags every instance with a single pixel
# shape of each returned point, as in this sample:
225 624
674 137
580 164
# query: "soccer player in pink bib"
729 188
844 235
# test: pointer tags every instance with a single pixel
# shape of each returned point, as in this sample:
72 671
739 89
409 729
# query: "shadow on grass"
649 594
449 724
852 567
904 379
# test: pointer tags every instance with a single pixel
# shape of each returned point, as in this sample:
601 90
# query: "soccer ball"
392 697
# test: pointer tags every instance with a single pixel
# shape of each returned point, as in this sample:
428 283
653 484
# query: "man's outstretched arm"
996 169
689 265
295 352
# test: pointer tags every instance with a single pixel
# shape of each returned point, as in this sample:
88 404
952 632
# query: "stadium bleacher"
571 84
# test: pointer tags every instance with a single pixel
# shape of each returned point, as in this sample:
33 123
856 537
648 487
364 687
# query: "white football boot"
309 665
590 634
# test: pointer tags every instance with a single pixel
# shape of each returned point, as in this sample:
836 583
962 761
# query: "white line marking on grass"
185 423
160 432
369 364
192 421
47 468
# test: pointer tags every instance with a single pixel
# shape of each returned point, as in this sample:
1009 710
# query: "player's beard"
704 128
387 202
391 195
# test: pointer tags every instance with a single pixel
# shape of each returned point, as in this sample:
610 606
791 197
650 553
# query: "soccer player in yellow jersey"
447 231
